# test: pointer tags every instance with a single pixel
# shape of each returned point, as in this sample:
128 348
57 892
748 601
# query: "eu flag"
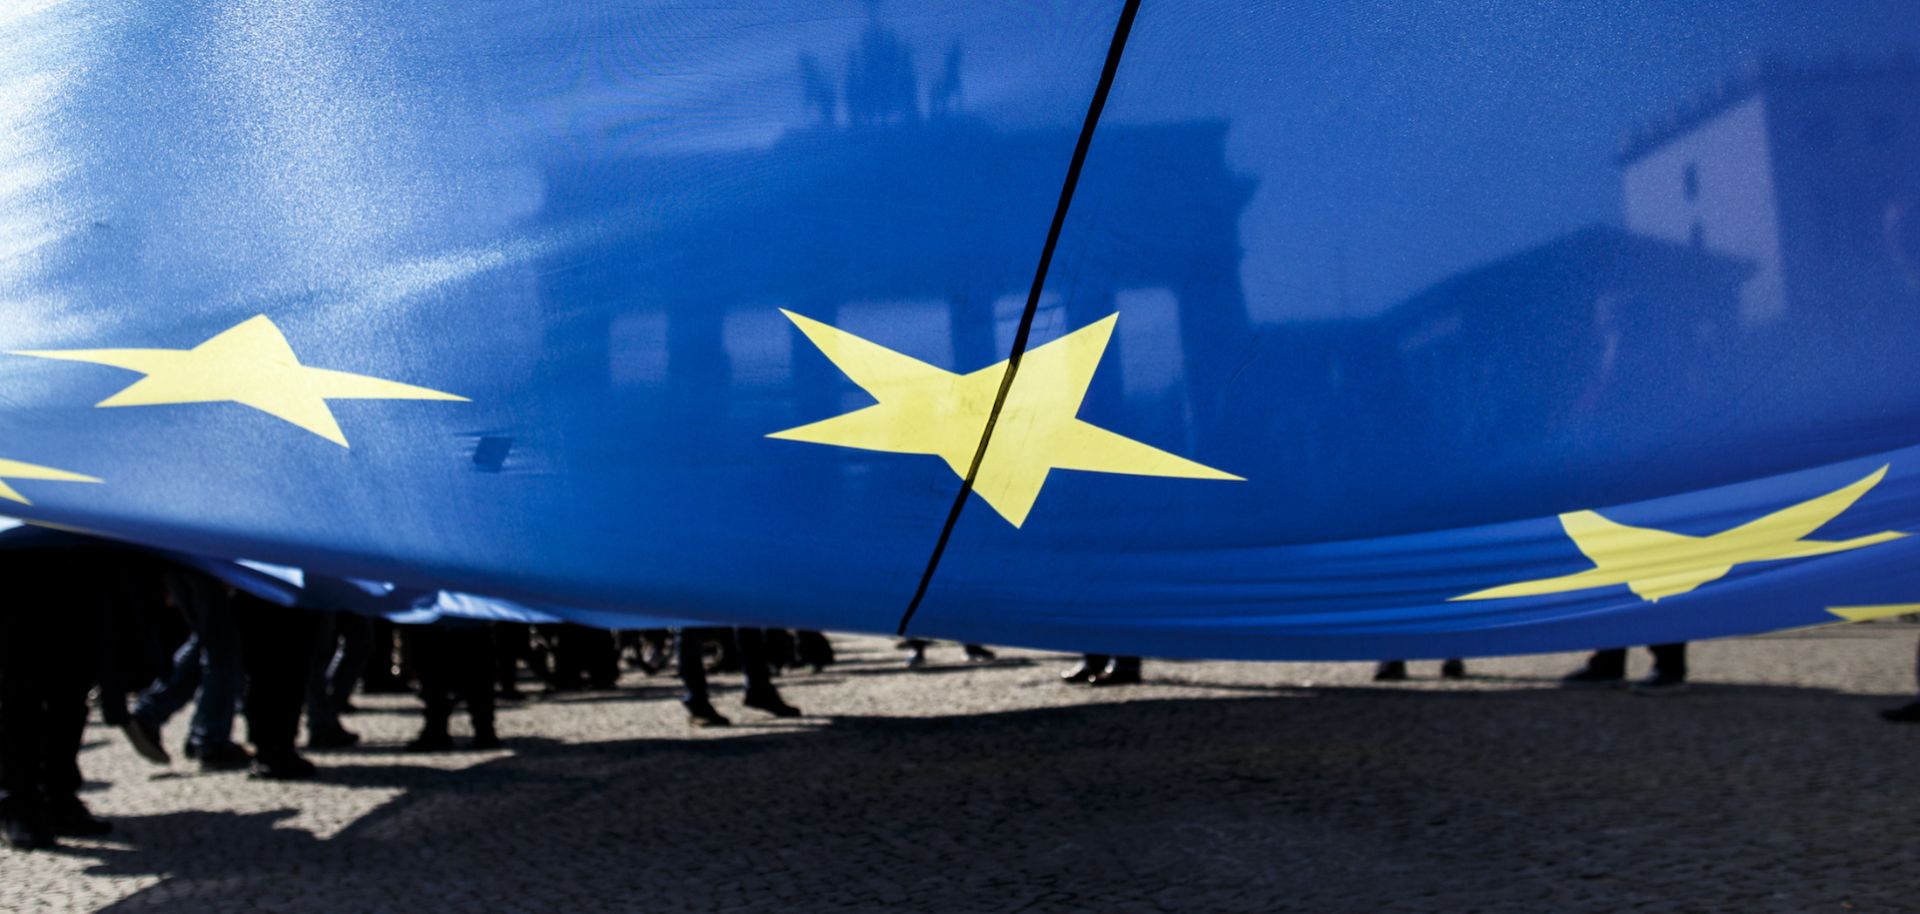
1131 326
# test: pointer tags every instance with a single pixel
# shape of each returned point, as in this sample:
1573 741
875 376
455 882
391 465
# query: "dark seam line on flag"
1107 72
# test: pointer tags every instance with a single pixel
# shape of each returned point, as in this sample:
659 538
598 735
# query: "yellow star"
1656 563
1876 611
928 410
250 364
15 469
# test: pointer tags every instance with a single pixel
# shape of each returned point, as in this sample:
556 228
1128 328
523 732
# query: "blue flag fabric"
1235 330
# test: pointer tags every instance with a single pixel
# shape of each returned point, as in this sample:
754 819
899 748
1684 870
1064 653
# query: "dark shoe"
1122 671
771 703
224 757
1588 677
1660 684
978 654
1082 672
435 741
287 766
702 714
1390 671
484 739
1453 668
1908 713
145 737
70 818
333 739
24 826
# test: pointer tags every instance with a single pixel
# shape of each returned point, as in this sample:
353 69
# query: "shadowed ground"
1219 787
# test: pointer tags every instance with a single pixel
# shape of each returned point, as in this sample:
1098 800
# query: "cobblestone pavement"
1215 787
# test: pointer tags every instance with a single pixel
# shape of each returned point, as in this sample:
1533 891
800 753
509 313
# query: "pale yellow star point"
18 469
1655 564
924 409
251 364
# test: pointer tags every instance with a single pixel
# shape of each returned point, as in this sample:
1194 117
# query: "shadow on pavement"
1329 800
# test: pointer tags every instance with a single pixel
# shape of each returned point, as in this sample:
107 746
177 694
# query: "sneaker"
1453 668
978 654
145 737
224 757
1587 677
771 703
1659 684
484 738
70 818
1908 713
1390 671
337 738
288 766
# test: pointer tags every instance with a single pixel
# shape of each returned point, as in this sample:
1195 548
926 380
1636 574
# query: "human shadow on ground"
1344 799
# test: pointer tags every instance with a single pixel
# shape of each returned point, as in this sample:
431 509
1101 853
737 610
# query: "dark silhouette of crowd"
93 623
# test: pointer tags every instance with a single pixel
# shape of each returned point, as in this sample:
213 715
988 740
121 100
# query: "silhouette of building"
1631 324
1761 280
881 212
1798 170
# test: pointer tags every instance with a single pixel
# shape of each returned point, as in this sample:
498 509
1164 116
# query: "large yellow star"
1657 563
928 410
16 469
250 364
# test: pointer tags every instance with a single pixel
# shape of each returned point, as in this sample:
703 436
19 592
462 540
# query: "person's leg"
66 724
473 659
916 651
761 693
428 646
1670 661
1908 713
343 671
511 641
323 716
223 675
23 720
278 645
693 675
165 697
814 649
601 656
